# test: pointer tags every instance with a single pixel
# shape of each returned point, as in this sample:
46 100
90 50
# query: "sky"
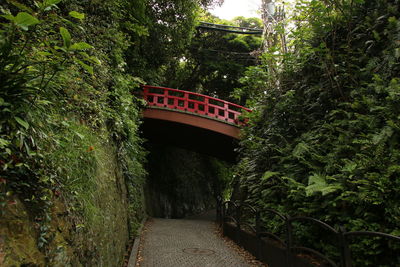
234 8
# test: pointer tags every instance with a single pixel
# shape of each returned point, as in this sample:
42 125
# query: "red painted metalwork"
197 121
194 103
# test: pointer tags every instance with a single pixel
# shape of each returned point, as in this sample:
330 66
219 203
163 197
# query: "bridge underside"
191 132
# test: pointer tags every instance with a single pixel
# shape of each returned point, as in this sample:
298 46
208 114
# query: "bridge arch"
193 121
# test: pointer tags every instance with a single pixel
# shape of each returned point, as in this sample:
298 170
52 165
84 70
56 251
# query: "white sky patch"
246 8
235 8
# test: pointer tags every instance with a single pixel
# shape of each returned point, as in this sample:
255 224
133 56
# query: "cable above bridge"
228 28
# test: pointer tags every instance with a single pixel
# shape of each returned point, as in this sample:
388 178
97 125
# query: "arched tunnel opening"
188 168
182 182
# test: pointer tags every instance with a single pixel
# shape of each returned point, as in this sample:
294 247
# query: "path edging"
135 248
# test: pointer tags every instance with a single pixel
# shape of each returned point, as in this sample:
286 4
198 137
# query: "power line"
228 52
231 31
228 28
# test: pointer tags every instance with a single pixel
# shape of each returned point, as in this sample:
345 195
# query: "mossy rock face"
181 182
97 235
108 229
18 245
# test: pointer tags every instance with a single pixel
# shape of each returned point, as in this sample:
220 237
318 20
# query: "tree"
215 60
325 143
170 26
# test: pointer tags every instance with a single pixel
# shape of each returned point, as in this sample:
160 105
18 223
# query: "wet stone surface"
198 251
186 243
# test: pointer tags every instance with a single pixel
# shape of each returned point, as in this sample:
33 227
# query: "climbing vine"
69 120
29 66
62 104
323 142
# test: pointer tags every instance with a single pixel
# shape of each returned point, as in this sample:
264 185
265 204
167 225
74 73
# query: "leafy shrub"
324 142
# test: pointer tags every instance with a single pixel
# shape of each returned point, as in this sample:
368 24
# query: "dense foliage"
213 62
62 104
324 140
169 27
67 73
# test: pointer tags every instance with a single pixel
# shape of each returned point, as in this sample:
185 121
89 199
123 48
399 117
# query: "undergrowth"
323 140
68 119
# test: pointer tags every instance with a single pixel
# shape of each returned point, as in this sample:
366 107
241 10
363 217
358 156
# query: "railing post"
345 257
258 222
186 101
145 93
258 234
223 218
165 102
206 105
289 241
226 113
238 218
218 209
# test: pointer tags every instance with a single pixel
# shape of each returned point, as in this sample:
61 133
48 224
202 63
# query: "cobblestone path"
186 243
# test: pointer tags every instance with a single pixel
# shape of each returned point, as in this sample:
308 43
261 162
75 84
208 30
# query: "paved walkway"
188 242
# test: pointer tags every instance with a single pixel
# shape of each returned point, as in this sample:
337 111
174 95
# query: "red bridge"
193 121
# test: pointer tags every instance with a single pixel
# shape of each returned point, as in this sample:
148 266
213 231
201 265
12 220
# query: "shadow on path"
189 242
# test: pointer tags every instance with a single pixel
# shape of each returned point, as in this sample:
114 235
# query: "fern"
317 184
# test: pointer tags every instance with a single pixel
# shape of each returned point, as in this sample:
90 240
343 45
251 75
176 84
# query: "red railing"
193 103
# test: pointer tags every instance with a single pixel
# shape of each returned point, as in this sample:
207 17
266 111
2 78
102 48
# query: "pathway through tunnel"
188 242
182 182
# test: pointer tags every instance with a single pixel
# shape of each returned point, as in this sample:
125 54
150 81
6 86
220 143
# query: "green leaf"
268 175
81 136
95 60
79 226
20 6
56 47
66 124
81 46
318 183
383 135
138 80
77 15
350 166
66 37
9 17
92 59
301 150
47 4
85 66
4 143
44 53
22 122
397 53
52 2
24 20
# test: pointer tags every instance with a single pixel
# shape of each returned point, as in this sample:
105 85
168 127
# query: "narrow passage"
188 242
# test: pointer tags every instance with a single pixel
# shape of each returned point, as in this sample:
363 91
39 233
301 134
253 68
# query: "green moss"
18 238
94 189
91 214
